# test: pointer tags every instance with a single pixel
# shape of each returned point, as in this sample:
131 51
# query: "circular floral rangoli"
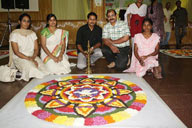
179 52
85 100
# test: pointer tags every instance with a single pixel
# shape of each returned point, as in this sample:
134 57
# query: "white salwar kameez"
25 40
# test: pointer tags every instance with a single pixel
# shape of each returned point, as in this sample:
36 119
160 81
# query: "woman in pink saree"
146 49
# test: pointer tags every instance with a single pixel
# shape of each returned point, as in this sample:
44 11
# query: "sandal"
149 72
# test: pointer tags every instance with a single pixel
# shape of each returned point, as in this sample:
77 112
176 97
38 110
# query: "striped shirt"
115 32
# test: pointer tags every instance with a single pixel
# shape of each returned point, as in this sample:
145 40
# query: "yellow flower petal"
141 96
39 87
127 82
60 120
66 78
98 76
117 117
69 121
30 104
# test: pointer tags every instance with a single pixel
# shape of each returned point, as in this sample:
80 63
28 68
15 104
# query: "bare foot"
157 72
111 65
92 64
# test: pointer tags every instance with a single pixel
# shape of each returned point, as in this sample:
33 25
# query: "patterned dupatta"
57 49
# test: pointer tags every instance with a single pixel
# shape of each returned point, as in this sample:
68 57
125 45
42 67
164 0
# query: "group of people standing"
163 20
146 30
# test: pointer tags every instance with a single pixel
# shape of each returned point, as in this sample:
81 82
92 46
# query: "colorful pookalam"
178 53
85 100
72 53
4 53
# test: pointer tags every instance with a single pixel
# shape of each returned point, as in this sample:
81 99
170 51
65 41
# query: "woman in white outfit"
25 50
54 43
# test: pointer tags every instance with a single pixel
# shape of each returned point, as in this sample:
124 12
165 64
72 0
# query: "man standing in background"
167 25
180 17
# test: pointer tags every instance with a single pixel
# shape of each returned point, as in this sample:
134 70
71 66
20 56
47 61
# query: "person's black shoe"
177 46
18 74
166 46
162 46
149 72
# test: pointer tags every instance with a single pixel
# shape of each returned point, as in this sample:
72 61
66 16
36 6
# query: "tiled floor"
175 88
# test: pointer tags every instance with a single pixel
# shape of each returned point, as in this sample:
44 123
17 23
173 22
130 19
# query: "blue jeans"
180 32
167 37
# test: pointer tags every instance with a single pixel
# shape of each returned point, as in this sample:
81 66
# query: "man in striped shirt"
116 41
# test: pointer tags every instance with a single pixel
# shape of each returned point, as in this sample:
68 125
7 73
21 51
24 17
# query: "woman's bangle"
92 48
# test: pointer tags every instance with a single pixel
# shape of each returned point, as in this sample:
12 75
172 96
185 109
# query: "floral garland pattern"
85 100
4 52
179 52
72 53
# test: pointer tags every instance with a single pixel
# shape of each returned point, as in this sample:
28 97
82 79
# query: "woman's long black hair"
152 1
150 22
49 17
21 18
